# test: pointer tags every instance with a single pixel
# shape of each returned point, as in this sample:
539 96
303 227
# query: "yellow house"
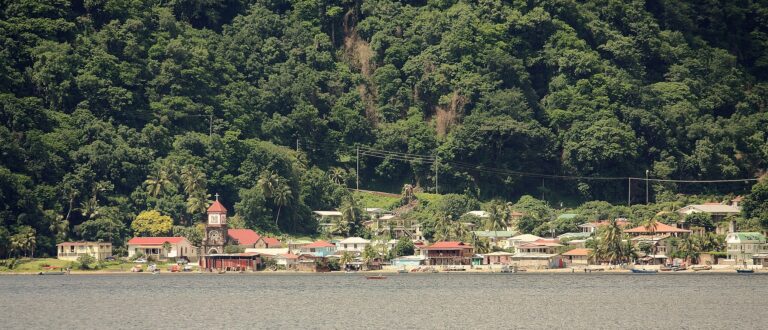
73 250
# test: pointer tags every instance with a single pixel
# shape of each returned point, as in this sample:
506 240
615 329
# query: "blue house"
319 249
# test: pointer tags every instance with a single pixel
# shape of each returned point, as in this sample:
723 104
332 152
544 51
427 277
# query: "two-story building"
318 249
658 249
155 247
352 244
542 253
73 250
447 253
744 246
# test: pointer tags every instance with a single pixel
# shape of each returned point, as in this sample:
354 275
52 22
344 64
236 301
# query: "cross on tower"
217 196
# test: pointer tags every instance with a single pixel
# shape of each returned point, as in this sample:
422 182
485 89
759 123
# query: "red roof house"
659 228
243 236
268 243
447 253
318 244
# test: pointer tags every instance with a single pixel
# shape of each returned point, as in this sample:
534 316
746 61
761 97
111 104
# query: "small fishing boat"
745 271
53 270
402 271
666 269
376 277
644 271
52 273
701 267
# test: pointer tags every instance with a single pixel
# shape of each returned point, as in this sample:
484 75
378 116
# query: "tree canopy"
112 108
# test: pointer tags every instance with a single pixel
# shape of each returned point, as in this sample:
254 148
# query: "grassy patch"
27 265
367 199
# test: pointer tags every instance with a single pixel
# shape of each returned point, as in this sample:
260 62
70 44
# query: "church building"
217 236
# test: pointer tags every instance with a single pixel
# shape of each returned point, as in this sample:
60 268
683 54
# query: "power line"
475 167
430 159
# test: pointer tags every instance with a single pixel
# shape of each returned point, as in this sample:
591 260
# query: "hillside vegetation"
113 107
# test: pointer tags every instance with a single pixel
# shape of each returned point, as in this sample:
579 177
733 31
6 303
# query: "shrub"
137 256
85 261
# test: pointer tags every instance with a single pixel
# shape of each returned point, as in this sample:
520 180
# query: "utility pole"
357 172
297 145
436 174
646 187
629 191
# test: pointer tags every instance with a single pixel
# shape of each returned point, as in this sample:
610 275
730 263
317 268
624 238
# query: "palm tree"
350 213
59 226
481 245
337 175
193 179
339 226
611 242
167 248
160 182
496 219
650 224
369 253
268 182
283 196
346 258
460 231
443 228
689 249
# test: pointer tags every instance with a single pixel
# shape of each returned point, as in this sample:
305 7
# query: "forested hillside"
113 107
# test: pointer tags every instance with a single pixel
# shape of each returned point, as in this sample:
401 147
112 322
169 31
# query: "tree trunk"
277 226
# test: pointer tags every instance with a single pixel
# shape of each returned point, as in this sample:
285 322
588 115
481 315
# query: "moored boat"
52 273
376 277
745 271
701 267
644 271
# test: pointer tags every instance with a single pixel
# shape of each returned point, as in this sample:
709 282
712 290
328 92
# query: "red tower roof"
216 207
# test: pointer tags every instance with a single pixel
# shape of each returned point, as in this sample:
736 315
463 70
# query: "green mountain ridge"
113 107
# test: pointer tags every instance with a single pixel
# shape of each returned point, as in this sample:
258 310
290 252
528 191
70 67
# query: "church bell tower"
215 229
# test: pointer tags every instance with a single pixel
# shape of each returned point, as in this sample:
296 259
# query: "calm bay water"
400 301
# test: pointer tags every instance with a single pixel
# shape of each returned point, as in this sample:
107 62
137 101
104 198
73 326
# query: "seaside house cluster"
509 247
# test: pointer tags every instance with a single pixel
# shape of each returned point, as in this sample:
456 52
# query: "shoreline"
563 271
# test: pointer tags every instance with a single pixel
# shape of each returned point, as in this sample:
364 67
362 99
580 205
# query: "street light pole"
646 187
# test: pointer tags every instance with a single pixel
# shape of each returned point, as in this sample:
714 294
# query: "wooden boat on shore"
745 271
53 270
644 271
376 277
702 267
52 273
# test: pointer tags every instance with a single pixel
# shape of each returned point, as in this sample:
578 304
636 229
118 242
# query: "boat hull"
643 271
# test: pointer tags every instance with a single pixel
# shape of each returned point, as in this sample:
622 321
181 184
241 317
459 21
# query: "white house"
479 214
716 210
153 247
522 239
743 246
73 250
288 260
325 219
352 244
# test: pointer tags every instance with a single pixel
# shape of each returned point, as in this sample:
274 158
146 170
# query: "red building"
448 253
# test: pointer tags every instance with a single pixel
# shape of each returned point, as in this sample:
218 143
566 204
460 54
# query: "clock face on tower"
214 236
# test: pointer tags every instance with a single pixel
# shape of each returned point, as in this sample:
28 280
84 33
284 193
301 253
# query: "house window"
355 247
213 219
